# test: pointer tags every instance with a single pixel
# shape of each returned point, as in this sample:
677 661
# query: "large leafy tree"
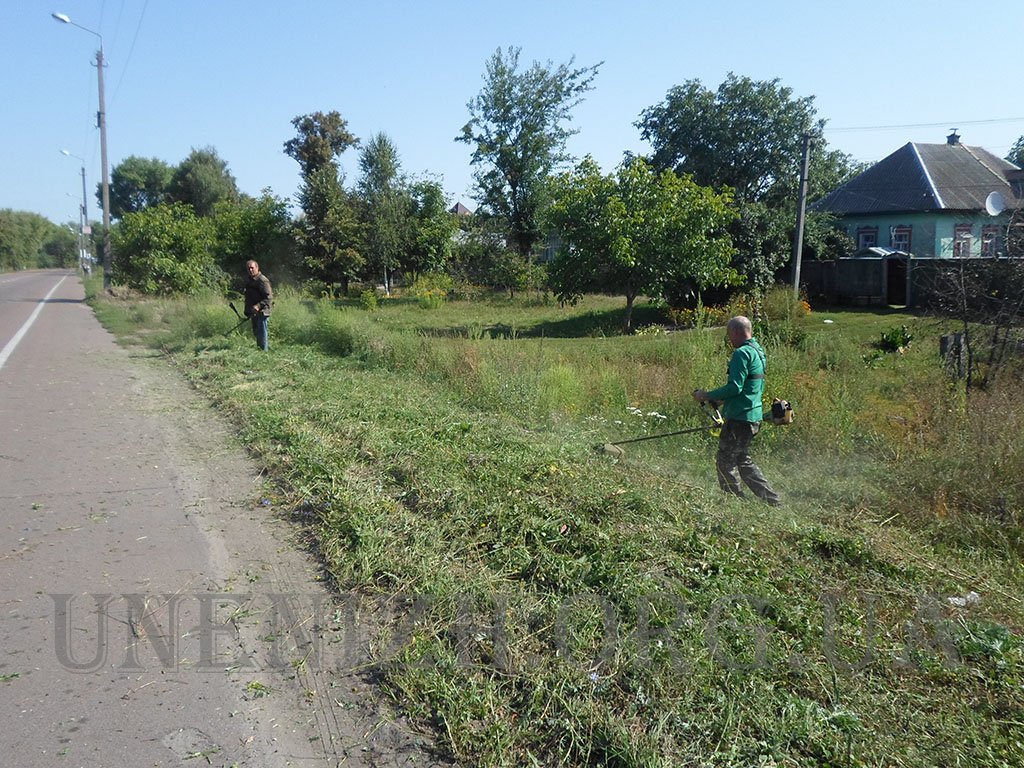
518 129
638 232
254 228
166 249
747 136
136 183
329 230
320 137
202 180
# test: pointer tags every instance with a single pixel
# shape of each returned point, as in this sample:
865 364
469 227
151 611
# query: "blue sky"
232 75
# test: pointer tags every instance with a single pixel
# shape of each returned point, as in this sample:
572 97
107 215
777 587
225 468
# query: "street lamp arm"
64 19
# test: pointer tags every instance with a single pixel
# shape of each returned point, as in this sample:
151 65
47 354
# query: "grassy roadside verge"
575 610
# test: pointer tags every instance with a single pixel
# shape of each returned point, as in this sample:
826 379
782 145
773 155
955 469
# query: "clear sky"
232 74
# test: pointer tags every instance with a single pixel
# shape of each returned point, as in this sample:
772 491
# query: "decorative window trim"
864 234
894 232
963 240
992 236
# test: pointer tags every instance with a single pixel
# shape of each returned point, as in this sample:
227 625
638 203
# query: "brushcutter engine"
782 412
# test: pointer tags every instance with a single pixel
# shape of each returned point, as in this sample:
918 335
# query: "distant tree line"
711 208
31 241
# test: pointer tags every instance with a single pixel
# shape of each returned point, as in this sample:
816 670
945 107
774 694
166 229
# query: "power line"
131 50
946 123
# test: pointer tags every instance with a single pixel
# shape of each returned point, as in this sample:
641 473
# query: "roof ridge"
928 176
1000 177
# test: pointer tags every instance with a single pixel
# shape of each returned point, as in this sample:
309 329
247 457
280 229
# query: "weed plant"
582 610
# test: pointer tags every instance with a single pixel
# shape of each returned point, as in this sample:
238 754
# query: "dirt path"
155 612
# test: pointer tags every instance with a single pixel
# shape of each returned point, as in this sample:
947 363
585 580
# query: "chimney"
953 139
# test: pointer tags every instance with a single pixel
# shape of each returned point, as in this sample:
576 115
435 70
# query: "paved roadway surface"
153 613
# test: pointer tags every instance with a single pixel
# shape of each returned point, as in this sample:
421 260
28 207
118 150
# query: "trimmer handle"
711 409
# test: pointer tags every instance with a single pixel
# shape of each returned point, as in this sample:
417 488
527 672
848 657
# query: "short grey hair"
740 323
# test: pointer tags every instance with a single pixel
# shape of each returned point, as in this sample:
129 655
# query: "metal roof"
925 177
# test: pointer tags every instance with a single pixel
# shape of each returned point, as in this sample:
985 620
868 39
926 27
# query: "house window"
962 241
899 239
867 237
992 240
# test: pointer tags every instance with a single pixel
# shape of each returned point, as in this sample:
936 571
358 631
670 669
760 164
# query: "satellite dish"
995 204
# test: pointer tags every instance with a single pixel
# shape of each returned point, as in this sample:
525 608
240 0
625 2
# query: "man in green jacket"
741 410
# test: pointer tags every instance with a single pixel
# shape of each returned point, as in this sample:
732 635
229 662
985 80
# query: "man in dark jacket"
259 299
742 411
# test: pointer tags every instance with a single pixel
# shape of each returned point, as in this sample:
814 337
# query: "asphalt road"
153 612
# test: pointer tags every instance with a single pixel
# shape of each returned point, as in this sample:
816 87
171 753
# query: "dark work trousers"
734 462
259 330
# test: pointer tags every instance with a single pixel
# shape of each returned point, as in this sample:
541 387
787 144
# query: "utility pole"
101 123
798 240
101 120
84 228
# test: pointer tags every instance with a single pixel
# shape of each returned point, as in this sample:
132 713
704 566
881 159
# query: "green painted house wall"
932 235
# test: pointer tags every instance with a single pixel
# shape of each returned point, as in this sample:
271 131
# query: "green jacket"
741 396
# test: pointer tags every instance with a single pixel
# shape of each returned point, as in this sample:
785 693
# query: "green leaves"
166 249
517 125
638 231
747 136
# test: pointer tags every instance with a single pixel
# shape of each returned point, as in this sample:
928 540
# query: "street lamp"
101 121
85 209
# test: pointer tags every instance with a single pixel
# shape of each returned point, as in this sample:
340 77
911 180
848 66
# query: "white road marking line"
6 351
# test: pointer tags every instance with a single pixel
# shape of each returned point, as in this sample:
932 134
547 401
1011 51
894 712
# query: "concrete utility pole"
101 120
101 123
85 228
798 241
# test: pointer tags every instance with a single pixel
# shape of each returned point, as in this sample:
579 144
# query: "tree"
31 241
329 230
320 138
388 231
638 232
481 255
60 249
517 128
254 228
747 137
435 228
136 183
202 180
166 249
1016 155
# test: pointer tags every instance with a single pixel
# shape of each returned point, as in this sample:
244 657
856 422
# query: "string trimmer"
241 320
614 450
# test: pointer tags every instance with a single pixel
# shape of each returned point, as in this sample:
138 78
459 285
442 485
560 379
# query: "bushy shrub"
896 339
780 305
166 249
368 300
431 289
